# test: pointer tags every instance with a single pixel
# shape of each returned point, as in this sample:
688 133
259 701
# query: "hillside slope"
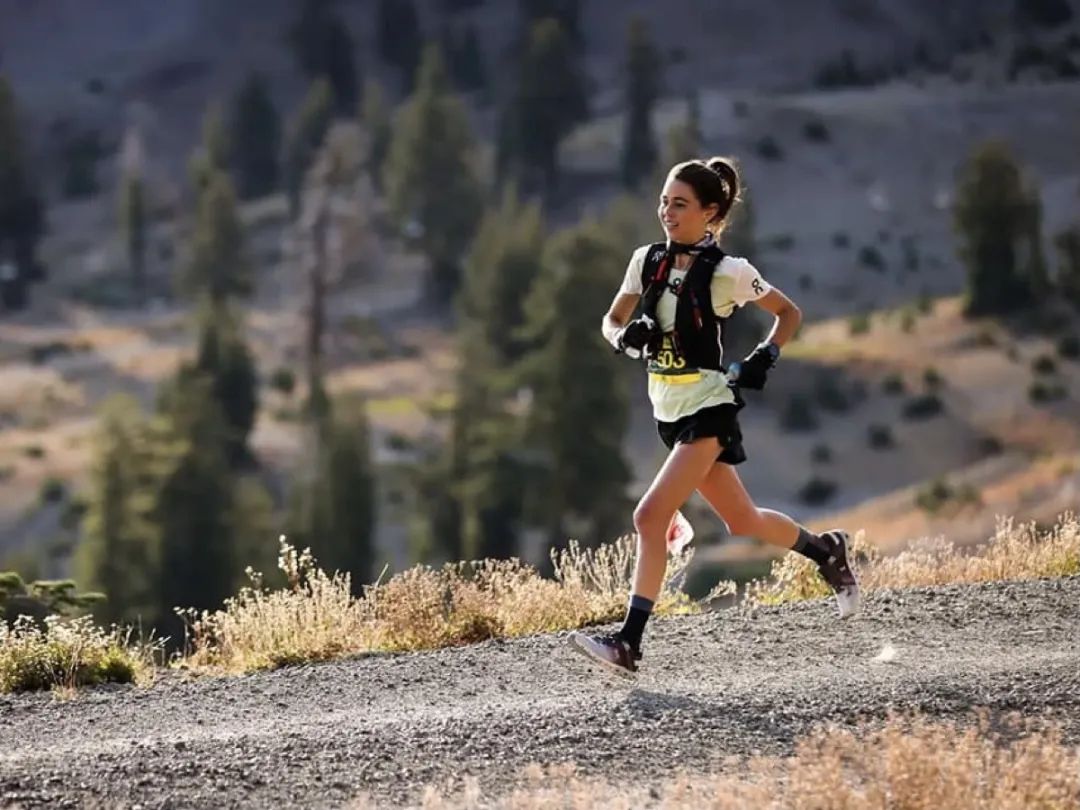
713 685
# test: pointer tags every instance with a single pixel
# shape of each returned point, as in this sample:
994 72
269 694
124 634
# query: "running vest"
695 342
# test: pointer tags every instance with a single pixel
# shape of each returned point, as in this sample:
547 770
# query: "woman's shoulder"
734 265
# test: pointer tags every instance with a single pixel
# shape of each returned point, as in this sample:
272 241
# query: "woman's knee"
650 516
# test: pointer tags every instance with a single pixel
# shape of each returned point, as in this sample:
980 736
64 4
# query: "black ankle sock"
812 546
634 625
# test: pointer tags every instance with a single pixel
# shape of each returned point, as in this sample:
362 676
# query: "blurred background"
336 269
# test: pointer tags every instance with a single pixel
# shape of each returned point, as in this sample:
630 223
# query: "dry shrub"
1015 552
317 618
68 653
913 763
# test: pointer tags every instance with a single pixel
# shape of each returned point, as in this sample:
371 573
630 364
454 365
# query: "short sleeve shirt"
735 283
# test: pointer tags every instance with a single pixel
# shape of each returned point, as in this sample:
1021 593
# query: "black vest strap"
697 328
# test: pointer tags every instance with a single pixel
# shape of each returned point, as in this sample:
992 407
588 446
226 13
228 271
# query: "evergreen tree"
334 508
579 410
212 156
1068 278
684 139
194 505
324 49
119 552
399 36
218 268
256 138
549 100
133 226
226 362
22 218
429 175
376 117
998 220
643 66
465 58
566 12
305 138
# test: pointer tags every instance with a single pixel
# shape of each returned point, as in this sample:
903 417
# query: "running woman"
685 286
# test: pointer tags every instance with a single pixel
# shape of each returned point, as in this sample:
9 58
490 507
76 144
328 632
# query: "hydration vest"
698 332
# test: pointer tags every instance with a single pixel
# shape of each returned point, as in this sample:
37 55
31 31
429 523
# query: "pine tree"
324 49
550 99
22 218
684 139
566 12
305 138
212 156
998 220
376 117
643 67
579 410
1068 277
333 510
218 268
256 138
429 177
400 39
119 552
133 226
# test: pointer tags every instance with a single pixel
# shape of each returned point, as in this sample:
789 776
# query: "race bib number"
669 363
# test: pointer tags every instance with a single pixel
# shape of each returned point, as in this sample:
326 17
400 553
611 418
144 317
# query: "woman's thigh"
684 471
723 490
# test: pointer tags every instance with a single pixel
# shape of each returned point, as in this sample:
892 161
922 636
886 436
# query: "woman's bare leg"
725 493
683 472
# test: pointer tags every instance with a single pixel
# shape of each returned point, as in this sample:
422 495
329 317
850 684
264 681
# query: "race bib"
669 365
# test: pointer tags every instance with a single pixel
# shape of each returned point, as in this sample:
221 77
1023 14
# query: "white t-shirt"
735 283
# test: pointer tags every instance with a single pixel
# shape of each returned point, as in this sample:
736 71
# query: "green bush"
923 406
830 395
798 414
821 454
768 149
859 324
1044 364
870 256
1068 347
816 131
880 437
932 379
893 384
817 491
53 489
284 380
34 451
1047 392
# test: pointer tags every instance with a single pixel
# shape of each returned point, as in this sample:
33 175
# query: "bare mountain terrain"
715 685
851 190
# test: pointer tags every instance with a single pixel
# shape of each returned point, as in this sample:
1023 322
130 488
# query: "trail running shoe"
840 576
609 651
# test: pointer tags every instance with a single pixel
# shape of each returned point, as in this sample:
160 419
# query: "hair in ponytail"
715 182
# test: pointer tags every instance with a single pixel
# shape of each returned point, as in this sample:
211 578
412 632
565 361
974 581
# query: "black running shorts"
720 421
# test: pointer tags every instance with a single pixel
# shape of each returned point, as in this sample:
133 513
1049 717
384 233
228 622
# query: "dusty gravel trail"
712 685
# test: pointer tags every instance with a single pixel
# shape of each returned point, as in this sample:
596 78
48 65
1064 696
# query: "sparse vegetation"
939 493
798 414
768 148
859 324
1042 392
821 454
923 406
893 384
932 379
816 131
67 654
870 256
903 761
880 437
1068 347
283 380
1044 364
817 491
316 617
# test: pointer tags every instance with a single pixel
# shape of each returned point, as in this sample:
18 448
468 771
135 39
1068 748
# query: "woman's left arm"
788 316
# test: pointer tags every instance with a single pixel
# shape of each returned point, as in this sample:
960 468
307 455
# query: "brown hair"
715 182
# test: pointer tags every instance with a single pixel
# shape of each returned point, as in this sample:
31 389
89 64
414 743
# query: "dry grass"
909 763
1014 553
316 618
68 653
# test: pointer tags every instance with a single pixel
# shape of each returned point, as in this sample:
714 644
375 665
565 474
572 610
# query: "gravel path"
712 685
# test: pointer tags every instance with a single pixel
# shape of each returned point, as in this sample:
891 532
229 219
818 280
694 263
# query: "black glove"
751 372
636 336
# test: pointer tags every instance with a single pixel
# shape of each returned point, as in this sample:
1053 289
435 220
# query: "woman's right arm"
618 315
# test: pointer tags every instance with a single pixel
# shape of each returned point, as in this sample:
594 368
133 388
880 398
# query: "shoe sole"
856 601
578 646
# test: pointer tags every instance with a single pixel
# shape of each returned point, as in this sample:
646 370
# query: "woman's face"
681 214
